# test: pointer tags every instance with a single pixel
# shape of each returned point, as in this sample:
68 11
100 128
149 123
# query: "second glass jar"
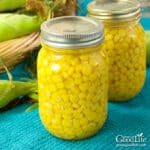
124 44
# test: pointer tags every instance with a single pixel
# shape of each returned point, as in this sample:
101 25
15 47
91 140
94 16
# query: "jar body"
72 88
126 49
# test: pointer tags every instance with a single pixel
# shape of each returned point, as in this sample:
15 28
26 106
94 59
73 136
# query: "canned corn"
72 77
125 46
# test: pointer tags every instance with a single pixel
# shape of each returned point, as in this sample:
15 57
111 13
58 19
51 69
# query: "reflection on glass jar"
72 77
145 20
145 4
125 46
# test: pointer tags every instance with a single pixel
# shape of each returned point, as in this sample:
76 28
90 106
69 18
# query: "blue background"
24 131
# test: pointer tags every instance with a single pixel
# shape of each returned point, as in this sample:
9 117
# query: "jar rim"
118 10
72 32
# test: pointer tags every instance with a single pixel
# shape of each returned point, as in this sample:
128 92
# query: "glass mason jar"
125 46
72 77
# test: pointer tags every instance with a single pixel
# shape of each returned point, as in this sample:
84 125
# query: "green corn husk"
10 90
9 5
17 25
33 96
32 107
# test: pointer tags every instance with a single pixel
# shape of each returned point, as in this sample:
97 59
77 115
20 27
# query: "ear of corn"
8 5
9 91
19 33
16 25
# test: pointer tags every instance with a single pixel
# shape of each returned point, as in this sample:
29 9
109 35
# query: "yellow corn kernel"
77 76
85 78
76 124
70 71
82 102
60 85
74 61
84 57
84 121
116 38
87 69
109 37
82 96
67 123
110 45
83 87
73 98
55 122
77 81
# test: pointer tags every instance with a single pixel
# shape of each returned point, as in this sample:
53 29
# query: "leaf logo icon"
141 134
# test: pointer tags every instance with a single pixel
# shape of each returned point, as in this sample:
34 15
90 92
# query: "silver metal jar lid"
72 32
114 9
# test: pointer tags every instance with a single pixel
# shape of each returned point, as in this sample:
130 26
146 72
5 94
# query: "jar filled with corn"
124 44
72 77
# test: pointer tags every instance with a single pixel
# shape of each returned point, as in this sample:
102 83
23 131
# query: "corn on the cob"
8 5
12 90
17 25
